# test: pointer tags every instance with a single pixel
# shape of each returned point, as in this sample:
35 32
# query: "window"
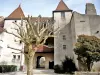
63 15
14 56
18 57
97 32
20 42
64 37
82 21
64 46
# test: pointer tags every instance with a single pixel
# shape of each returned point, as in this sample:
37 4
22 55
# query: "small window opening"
64 37
63 15
19 57
14 56
97 32
64 46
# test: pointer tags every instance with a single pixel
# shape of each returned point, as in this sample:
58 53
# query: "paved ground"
36 72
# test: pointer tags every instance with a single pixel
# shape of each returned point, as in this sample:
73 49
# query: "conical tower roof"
16 14
62 6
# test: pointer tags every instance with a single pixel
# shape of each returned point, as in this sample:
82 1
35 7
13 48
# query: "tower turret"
90 9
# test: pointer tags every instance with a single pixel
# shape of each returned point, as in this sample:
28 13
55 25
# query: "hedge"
7 68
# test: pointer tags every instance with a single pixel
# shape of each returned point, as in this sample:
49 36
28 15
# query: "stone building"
70 24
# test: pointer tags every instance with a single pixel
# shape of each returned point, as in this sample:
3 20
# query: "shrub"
68 65
7 68
58 69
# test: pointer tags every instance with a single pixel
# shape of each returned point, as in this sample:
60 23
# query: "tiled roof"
33 19
62 6
44 48
17 13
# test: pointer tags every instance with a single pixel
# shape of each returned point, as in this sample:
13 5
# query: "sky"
43 7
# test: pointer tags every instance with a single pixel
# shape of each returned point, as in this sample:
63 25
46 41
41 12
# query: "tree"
32 34
88 50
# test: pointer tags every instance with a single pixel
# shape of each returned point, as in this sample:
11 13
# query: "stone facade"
63 36
74 24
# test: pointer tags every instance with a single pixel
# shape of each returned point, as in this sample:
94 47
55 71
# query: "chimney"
90 9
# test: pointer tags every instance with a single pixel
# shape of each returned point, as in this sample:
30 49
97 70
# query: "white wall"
8 39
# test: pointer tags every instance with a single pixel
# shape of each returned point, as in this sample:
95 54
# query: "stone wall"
84 24
64 31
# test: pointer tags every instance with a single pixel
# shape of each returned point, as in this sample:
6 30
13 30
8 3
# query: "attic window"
62 15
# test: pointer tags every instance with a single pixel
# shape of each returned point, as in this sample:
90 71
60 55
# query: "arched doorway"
40 62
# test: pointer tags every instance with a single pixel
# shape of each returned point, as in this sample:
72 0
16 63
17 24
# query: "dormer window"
62 15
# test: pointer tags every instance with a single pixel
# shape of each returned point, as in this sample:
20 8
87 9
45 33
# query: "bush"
58 69
7 68
67 66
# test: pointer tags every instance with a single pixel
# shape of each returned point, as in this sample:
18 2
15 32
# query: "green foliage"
88 49
58 69
7 68
67 66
